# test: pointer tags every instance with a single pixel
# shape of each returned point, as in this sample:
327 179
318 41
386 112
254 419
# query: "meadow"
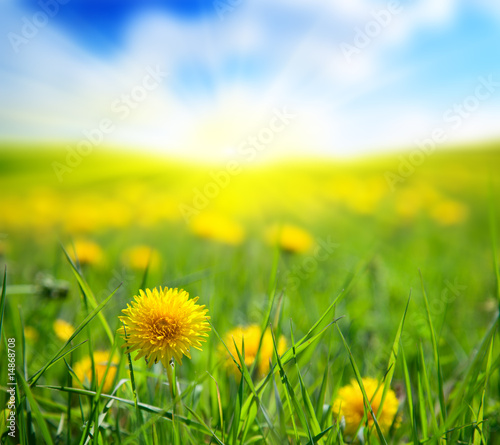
368 313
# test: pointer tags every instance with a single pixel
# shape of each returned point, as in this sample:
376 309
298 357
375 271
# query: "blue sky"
230 68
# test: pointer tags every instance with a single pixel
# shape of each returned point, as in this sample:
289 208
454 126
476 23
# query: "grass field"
391 290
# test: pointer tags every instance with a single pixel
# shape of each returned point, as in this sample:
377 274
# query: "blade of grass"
89 294
142 406
288 356
493 234
33 379
291 397
391 366
243 368
248 379
35 408
421 406
95 402
305 342
221 416
2 301
24 365
248 422
478 432
201 422
428 393
237 411
360 383
466 388
145 274
138 412
279 409
272 294
442 404
68 412
322 390
409 398
316 439
313 421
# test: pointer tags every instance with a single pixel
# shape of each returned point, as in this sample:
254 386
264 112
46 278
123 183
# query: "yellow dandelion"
349 405
408 203
251 335
63 329
448 212
290 238
217 228
140 257
163 324
30 333
366 195
83 369
83 214
87 252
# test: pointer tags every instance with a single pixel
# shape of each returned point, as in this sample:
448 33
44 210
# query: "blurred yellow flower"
83 215
217 228
83 369
30 333
408 203
360 194
251 335
448 212
141 256
411 200
163 324
41 207
63 329
290 238
367 194
87 252
155 208
349 405
115 214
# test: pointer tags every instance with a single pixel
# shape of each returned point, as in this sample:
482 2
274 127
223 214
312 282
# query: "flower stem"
171 382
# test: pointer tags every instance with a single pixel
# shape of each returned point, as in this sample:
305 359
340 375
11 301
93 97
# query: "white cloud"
57 88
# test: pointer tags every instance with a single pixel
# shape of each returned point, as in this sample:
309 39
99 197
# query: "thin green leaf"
313 421
33 379
35 408
89 295
2 301
360 383
442 404
478 432
391 366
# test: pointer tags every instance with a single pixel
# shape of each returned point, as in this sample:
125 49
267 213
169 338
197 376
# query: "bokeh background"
196 144
210 132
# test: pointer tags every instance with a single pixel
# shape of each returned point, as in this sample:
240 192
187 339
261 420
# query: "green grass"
348 316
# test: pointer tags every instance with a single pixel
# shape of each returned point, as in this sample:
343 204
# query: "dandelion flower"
87 252
448 212
290 238
84 214
349 405
163 324
140 257
218 228
83 369
251 335
63 329
30 333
